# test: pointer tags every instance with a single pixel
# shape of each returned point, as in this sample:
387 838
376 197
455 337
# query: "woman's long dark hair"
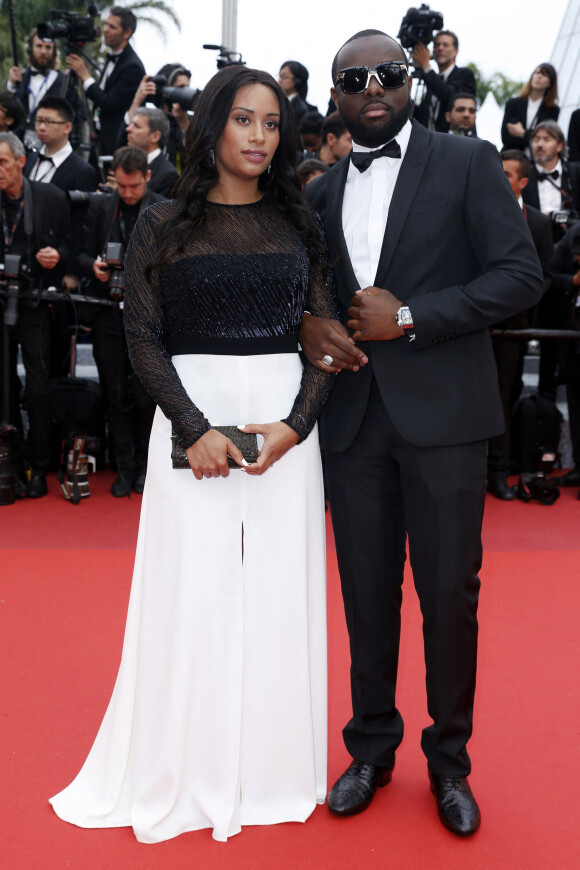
550 97
300 74
212 111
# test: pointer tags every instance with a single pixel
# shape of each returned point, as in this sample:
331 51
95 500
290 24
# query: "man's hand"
78 66
70 283
516 129
373 315
101 270
15 75
421 56
48 257
322 336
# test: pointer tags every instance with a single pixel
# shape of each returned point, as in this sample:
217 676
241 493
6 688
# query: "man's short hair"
464 95
333 123
13 143
551 128
158 122
128 20
524 165
59 105
13 108
450 33
361 35
178 71
130 159
310 122
308 166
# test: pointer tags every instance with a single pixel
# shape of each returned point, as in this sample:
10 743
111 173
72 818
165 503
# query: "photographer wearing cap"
36 227
440 86
149 131
111 220
119 79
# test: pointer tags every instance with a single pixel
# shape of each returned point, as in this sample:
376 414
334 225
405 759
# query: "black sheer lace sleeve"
145 327
315 385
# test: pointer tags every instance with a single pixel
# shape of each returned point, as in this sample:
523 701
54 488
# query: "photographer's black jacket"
116 97
570 182
460 80
51 229
102 225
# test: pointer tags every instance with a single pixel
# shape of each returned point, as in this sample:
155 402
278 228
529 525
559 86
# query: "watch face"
404 317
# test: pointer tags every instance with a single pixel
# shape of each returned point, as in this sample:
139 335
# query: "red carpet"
65 575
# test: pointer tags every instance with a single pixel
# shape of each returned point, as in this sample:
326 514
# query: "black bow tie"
36 72
543 175
45 157
363 159
112 58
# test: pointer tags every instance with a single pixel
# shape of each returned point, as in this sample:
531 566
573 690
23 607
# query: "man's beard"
375 136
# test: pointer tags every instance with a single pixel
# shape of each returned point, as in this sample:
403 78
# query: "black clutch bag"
247 442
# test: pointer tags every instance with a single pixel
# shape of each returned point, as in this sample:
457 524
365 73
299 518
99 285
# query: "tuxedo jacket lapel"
408 181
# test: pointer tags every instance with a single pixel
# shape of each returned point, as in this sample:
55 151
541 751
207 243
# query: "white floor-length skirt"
218 715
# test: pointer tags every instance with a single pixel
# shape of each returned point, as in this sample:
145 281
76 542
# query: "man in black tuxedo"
440 86
554 186
428 227
119 80
149 130
40 79
35 221
509 352
128 406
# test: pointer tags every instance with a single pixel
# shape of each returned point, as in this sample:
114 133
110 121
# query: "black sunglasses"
355 79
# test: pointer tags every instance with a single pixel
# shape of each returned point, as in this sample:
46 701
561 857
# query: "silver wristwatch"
404 319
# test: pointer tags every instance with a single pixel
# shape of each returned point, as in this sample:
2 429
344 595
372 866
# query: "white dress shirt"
365 208
37 88
549 190
44 171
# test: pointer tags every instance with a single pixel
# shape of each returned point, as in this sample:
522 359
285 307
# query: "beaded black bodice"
244 274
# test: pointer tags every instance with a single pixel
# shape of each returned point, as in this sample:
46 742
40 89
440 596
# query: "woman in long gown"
218 715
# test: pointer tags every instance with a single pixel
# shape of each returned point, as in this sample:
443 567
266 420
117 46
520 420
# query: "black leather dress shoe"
355 789
501 490
572 478
139 482
121 487
456 805
36 487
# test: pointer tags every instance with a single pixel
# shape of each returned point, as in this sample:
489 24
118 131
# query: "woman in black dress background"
218 716
536 102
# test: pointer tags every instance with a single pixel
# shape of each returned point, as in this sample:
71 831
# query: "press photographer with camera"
106 233
440 86
149 130
39 79
119 79
36 227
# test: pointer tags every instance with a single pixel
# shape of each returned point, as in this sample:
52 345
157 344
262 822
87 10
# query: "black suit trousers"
381 490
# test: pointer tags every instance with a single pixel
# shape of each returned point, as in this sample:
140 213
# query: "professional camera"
78 198
418 26
538 486
564 216
114 257
10 273
185 97
76 28
226 57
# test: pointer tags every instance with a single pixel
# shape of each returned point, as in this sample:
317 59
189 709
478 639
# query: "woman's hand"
208 457
278 439
516 129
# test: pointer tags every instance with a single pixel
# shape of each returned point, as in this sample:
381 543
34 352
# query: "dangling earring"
269 169
212 156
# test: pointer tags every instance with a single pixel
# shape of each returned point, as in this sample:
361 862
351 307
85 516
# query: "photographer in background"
129 408
39 79
440 86
461 115
554 188
119 79
35 226
566 282
149 130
